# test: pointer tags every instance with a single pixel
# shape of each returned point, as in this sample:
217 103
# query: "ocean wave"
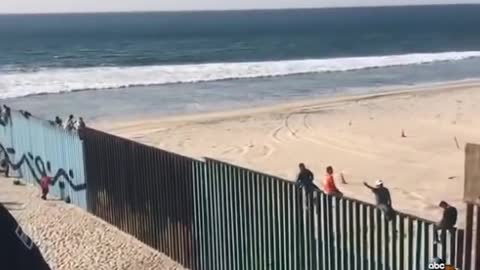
21 83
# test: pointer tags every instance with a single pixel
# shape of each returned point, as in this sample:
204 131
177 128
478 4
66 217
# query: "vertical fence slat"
310 233
358 236
386 243
344 244
410 242
418 246
371 240
291 228
477 239
401 241
319 225
394 254
351 235
468 238
426 244
327 255
337 233
379 241
365 240
460 245
453 248
331 244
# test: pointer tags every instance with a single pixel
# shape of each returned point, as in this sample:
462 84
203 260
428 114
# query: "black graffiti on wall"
38 168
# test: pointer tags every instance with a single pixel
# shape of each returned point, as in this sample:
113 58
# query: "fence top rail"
279 179
44 122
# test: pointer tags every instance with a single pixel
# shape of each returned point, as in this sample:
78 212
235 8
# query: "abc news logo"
440 266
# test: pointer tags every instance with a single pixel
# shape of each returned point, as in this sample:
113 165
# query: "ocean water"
195 61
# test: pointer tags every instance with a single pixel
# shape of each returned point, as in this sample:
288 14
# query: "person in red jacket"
329 186
44 185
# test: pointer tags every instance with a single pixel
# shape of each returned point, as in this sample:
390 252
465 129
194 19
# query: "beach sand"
359 136
71 239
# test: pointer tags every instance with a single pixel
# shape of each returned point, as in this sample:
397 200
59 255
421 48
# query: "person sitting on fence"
305 178
382 198
25 114
17 250
44 185
448 221
80 124
329 186
5 115
70 124
58 121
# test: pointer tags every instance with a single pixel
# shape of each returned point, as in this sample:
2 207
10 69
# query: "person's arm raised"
367 185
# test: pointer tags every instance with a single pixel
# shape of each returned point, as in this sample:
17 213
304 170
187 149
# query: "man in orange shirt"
329 186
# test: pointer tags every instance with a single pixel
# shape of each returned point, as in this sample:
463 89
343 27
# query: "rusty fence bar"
142 190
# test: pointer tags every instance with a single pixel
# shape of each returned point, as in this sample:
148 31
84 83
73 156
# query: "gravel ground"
70 238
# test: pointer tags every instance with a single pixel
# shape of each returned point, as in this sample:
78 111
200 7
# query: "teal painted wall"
34 147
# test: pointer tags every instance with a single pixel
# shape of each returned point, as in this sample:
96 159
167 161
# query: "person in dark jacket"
58 121
383 199
305 178
448 221
5 168
17 250
70 124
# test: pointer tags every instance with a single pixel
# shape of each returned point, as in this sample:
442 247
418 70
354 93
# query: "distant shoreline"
336 99
178 11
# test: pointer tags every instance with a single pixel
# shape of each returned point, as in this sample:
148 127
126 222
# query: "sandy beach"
360 136
71 239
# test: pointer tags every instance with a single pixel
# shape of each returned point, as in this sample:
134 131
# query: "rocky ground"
70 238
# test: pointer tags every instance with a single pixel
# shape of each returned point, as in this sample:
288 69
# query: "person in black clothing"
58 121
448 221
17 250
305 178
80 124
70 124
383 199
5 168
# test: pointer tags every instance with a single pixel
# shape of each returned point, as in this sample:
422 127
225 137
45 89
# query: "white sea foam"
15 84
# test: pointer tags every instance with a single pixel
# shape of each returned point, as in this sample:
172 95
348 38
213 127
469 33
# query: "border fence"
34 148
209 215
144 191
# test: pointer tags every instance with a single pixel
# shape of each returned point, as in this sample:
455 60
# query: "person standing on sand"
382 198
5 167
329 186
448 221
44 185
17 250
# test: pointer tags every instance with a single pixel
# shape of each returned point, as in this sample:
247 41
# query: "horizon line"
234 9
